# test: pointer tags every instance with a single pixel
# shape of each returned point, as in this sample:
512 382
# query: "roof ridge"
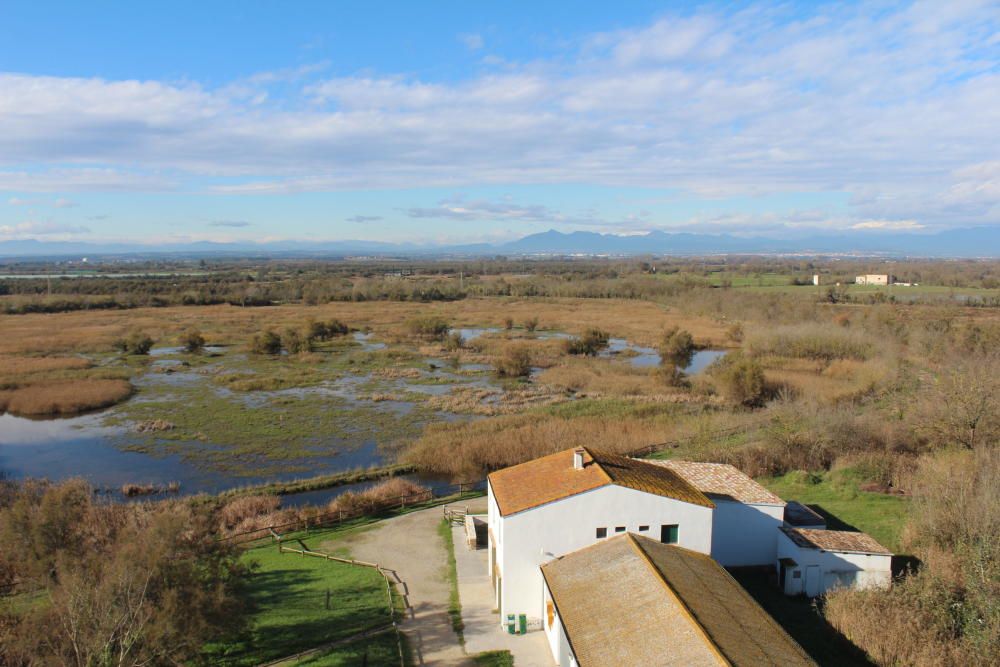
656 469
607 478
737 586
685 609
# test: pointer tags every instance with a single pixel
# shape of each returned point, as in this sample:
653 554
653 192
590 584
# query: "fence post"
328 598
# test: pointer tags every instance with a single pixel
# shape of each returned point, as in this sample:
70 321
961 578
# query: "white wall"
562 654
835 568
538 535
745 534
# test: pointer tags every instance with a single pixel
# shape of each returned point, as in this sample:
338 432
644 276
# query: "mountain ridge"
961 242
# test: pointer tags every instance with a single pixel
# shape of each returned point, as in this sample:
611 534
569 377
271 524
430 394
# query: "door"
812 581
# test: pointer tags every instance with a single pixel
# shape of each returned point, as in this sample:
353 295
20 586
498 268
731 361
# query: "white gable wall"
832 568
535 536
744 534
556 634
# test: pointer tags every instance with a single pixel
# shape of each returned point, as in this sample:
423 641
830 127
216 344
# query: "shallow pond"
648 357
347 415
83 447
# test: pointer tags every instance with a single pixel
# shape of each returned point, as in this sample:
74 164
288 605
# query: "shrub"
428 328
735 333
813 341
236 511
508 323
454 341
266 342
192 341
740 379
670 375
515 361
293 341
531 323
323 331
677 346
590 343
135 343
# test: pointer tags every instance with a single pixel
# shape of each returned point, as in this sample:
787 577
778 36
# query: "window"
602 533
668 533
643 529
619 529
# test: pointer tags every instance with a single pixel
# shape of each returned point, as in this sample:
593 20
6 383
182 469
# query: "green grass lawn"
454 602
494 659
288 592
378 651
835 495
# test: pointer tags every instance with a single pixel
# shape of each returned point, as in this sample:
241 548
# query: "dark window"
643 529
668 533
620 529
602 532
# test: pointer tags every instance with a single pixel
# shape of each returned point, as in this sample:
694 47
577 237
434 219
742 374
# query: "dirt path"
411 546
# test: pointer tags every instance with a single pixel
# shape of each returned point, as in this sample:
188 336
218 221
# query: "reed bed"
472 448
64 398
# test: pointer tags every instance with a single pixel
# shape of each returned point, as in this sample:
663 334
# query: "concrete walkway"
482 624
411 546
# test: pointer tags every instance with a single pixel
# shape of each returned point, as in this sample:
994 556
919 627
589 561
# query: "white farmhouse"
874 279
630 600
560 503
746 518
811 562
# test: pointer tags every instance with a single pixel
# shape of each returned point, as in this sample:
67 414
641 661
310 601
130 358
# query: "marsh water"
108 452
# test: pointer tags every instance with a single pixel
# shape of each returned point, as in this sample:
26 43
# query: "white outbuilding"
557 504
746 518
811 562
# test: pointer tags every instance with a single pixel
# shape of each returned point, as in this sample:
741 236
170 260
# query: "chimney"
578 458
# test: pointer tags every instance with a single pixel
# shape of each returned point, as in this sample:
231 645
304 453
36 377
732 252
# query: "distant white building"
560 503
812 561
815 279
874 279
746 518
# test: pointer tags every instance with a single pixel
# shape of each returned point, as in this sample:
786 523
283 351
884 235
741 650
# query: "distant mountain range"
969 242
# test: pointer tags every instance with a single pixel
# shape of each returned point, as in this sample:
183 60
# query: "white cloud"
228 223
62 202
40 228
893 225
472 40
896 106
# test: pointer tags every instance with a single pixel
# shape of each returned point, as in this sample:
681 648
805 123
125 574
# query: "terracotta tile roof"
630 600
721 481
553 477
835 540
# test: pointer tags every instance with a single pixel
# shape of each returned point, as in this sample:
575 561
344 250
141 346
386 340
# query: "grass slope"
288 592
835 495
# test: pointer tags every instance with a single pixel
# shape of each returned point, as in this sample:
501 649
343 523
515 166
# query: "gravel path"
410 545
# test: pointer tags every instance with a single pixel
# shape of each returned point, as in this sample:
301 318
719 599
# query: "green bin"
522 622
510 623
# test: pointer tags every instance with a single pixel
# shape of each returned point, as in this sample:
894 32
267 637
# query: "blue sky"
483 121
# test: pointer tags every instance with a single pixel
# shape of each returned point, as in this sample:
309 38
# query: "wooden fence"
306 551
